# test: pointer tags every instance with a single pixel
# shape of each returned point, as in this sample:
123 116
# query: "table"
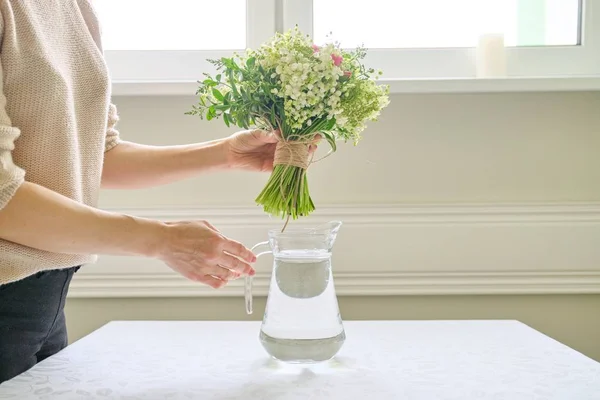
416 360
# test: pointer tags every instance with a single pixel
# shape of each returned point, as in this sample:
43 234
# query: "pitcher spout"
328 232
331 228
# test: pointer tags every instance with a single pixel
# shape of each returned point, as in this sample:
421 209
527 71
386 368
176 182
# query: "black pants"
32 320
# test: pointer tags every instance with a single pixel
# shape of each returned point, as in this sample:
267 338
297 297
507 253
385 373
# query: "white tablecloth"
416 360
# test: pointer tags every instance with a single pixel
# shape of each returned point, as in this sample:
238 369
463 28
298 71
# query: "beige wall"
426 148
441 149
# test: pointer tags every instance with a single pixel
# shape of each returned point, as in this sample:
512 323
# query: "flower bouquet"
302 90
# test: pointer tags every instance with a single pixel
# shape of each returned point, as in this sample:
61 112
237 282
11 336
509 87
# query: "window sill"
407 86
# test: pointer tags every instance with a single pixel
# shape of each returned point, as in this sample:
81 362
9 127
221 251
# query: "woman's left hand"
254 150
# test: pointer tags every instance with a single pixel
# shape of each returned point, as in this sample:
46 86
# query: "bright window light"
446 23
172 24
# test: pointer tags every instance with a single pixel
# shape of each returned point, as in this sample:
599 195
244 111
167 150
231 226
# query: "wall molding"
347 284
396 250
377 214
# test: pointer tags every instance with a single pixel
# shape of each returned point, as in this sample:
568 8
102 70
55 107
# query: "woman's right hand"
199 252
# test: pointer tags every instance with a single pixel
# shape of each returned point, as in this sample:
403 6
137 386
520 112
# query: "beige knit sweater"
56 119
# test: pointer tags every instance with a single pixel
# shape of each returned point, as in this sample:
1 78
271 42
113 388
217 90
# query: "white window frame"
543 61
544 68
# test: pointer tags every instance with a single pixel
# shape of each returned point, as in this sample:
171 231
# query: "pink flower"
337 60
315 48
348 74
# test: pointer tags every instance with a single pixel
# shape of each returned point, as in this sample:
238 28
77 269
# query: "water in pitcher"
302 322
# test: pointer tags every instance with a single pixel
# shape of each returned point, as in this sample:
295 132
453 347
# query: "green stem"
286 193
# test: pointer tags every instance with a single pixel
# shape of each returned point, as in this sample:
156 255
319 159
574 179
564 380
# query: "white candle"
491 56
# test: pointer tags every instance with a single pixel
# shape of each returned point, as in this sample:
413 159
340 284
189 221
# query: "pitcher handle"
248 280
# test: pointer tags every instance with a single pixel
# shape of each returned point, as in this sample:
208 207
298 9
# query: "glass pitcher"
302 322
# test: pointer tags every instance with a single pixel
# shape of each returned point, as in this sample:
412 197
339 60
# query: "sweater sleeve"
11 176
112 134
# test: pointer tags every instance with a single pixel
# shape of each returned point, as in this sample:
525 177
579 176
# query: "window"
448 23
154 40
158 41
436 38
172 25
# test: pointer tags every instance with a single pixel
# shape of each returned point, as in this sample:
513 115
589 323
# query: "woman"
58 146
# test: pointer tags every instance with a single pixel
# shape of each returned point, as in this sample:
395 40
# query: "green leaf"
227 62
273 118
209 82
330 139
226 119
250 62
211 113
218 95
233 86
230 64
